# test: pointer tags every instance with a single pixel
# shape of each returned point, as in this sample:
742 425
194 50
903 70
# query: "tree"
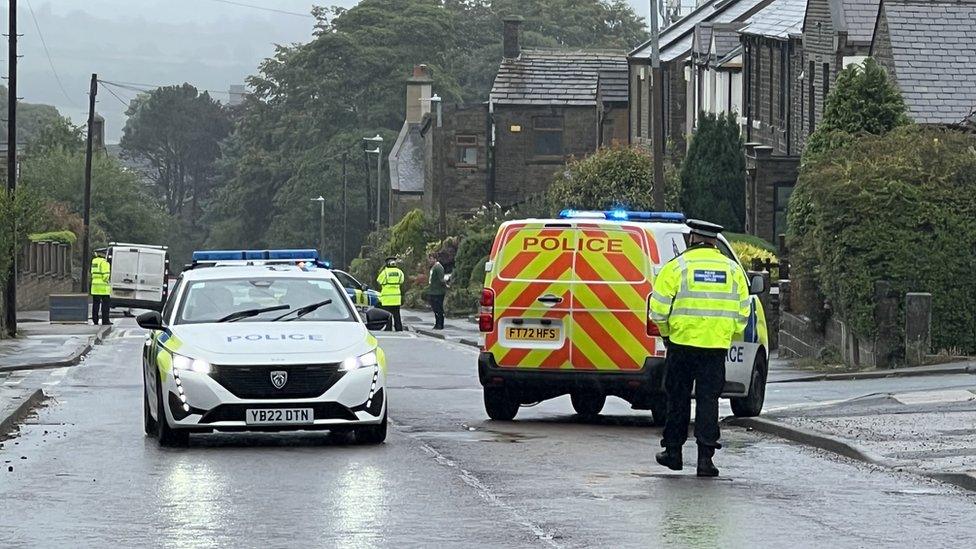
177 131
713 174
617 177
59 134
863 101
312 102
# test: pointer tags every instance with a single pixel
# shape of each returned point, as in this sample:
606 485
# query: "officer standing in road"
101 289
391 280
700 302
436 291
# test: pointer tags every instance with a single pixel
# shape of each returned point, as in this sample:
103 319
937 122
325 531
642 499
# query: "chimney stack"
512 48
418 93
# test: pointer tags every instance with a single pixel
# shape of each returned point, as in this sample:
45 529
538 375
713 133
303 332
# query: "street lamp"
321 201
378 151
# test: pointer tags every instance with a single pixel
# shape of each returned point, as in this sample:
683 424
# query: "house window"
548 136
781 203
812 103
757 93
772 80
783 83
826 84
467 150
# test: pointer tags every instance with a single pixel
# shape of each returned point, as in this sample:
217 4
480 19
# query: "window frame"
538 130
459 146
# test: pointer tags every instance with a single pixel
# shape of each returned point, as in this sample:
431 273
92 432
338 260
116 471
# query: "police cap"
704 228
391 258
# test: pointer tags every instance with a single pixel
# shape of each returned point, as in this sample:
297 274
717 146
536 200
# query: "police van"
262 341
565 310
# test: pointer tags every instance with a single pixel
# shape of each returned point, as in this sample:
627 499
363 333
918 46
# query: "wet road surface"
446 477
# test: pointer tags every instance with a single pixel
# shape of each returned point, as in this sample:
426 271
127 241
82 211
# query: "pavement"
80 472
42 344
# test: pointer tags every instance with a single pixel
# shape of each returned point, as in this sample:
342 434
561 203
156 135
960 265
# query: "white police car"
262 341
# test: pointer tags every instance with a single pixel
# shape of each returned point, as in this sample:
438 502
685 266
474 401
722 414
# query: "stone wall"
44 269
519 172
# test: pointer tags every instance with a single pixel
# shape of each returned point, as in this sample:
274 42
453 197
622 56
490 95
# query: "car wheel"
499 405
588 404
167 436
751 405
148 423
372 434
659 411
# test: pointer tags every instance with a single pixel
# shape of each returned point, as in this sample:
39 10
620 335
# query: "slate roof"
407 160
613 86
859 18
703 38
934 50
778 20
726 38
554 77
676 40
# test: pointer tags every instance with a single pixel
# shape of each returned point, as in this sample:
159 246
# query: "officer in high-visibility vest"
700 303
391 280
101 290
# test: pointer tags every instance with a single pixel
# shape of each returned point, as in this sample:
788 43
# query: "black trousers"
395 321
103 303
706 369
437 305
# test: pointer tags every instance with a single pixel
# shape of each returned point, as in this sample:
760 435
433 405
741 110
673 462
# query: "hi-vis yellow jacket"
701 299
101 273
390 279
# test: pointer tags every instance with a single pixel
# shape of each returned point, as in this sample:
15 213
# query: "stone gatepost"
918 327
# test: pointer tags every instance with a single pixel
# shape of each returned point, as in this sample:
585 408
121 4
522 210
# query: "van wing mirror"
151 320
757 284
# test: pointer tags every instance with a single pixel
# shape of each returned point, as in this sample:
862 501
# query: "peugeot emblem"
279 378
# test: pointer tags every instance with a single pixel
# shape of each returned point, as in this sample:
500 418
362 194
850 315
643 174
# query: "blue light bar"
255 255
623 215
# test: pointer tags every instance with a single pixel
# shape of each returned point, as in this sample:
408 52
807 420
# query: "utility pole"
86 212
379 179
10 291
343 263
369 197
657 111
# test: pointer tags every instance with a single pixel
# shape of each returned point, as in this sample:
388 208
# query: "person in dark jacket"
436 291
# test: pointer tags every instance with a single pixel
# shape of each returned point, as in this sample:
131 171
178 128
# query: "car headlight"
363 361
181 362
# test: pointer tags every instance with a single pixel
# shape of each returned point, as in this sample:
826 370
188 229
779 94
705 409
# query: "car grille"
304 381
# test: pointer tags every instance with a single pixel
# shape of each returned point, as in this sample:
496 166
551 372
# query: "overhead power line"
262 8
115 95
48 54
140 87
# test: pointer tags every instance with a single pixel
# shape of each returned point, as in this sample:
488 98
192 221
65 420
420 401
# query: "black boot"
705 466
670 458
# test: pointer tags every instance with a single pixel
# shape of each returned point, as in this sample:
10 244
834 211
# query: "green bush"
713 175
461 301
752 240
473 247
610 178
20 213
61 237
901 208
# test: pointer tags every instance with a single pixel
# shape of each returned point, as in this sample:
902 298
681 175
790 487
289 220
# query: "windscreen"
211 300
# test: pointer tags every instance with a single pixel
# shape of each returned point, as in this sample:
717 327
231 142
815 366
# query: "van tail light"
486 316
652 329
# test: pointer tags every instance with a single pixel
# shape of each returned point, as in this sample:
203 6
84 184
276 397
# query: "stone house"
928 48
716 71
675 47
407 156
545 107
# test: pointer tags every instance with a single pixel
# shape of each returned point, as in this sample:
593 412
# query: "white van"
140 275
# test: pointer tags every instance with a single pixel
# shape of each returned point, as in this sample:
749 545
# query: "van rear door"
531 282
612 280
138 274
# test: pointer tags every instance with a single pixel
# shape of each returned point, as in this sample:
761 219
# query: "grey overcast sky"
209 43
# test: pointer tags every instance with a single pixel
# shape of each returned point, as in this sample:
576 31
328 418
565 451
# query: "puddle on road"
473 434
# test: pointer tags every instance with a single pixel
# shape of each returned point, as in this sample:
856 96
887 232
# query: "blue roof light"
294 254
624 215
210 256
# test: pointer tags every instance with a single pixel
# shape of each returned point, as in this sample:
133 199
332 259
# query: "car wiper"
302 311
233 317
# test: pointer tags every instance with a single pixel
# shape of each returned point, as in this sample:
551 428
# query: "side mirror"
377 319
150 321
757 284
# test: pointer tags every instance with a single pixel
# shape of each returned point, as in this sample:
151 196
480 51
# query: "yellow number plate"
532 333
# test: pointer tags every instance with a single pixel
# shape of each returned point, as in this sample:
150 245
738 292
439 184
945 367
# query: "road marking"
60 372
486 494
935 397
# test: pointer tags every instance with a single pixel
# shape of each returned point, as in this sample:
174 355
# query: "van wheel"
167 436
659 411
751 405
499 404
588 404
